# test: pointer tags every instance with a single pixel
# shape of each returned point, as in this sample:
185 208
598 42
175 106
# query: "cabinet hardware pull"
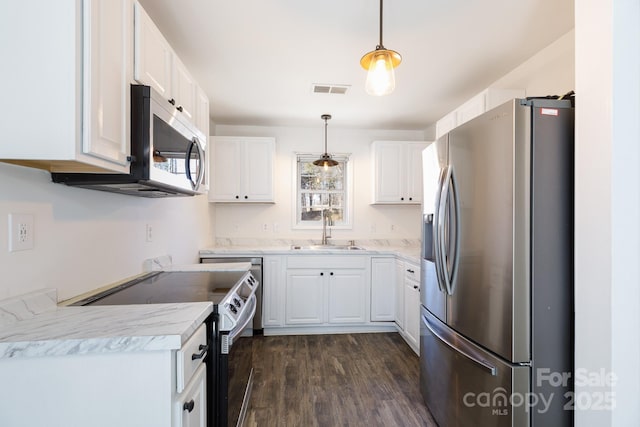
179 108
321 273
415 286
237 197
410 198
331 273
172 101
188 406
410 270
401 198
203 349
246 197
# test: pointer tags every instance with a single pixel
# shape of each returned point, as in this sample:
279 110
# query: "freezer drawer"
464 385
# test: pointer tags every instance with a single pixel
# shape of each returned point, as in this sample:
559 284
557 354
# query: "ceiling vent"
326 88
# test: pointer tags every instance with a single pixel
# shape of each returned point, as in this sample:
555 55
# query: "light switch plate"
21 232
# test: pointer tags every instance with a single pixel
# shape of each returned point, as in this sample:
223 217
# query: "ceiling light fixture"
380 64
325 160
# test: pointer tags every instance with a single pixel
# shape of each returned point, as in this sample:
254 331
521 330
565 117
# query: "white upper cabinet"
76 60
242 169
484 101
158 66
397 171
202 111
153 55
184 89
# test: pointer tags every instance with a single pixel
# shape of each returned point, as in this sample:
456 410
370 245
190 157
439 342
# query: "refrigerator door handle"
437 219
446 228
456 241
466 353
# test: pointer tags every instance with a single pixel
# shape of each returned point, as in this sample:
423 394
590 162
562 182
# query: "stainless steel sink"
327 247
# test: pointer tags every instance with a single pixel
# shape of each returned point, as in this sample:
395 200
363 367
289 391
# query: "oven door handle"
249 319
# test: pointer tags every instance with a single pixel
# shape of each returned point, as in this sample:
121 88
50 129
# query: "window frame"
297 223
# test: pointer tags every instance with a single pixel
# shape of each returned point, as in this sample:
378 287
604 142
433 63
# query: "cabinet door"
347 296
305 297
412 313
272 291
152 56
414 172
191 407
258 173
225 164
202 111
108 33
388 172
399 316
383 289
184 89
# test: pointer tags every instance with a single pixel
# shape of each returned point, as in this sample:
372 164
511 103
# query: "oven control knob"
236 301
233 309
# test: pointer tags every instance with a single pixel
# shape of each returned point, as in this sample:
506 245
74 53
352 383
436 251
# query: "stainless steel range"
229 365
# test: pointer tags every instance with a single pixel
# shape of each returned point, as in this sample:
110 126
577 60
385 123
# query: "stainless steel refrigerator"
496 337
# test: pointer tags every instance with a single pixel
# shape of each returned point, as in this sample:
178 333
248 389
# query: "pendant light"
325 160
380 64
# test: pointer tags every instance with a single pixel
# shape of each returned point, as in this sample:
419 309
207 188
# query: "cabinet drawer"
190 356
327 261
411 272
191 406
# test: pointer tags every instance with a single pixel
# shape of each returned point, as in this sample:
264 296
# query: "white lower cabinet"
273 291
383 289
399 297
326 290
412 306
305 300
190 408
133 388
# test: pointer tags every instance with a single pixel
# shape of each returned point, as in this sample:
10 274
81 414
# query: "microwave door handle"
201 159
187 164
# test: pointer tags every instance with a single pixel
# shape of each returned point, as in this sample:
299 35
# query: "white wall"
608 208
250 218
86 239
549 72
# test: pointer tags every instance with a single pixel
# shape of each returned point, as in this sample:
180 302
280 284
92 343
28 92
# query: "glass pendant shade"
381 79
379 63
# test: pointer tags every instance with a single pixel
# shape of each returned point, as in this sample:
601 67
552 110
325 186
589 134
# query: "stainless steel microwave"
167 153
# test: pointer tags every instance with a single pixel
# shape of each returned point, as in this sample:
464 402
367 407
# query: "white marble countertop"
61 331
408 253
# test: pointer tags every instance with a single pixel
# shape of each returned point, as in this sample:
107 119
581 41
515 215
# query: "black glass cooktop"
170 287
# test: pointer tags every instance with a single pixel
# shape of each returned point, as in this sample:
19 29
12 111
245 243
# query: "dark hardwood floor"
336 380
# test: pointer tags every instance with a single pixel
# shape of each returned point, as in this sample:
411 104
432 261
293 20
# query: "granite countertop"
33 326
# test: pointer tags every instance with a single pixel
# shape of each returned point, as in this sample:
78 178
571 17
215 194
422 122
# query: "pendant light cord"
380 46
325 136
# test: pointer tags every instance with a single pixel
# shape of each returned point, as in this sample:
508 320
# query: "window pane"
321 189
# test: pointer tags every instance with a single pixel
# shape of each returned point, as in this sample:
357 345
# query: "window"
320 189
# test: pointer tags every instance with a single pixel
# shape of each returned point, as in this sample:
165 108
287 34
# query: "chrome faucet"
324 228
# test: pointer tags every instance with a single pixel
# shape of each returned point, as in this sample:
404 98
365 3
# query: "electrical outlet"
21 232
265 227
393 227
149 233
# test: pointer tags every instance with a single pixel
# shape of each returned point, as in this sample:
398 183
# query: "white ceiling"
257 59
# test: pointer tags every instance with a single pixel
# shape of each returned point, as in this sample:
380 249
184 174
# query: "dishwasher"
256 271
